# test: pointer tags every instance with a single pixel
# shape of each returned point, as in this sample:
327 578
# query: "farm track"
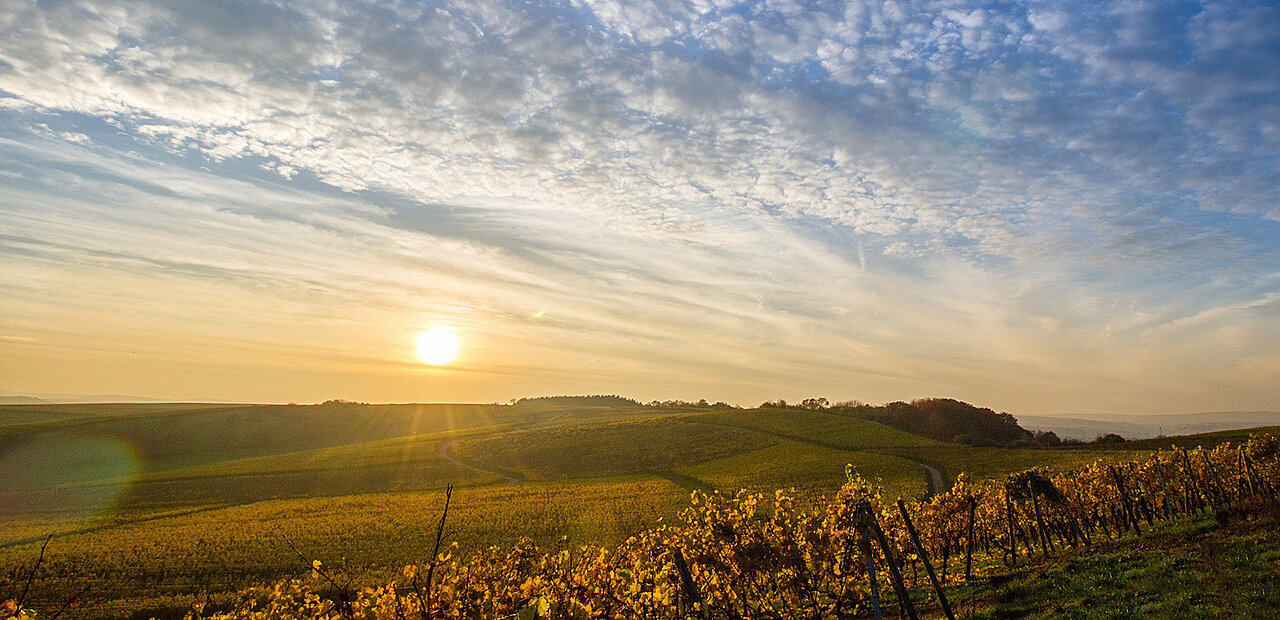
936 483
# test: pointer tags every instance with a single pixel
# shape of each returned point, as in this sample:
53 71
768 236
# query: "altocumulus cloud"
1016 203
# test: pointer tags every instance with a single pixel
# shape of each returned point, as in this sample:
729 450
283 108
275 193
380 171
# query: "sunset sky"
1041 207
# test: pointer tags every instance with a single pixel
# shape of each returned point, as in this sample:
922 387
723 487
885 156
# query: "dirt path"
936 483
445 451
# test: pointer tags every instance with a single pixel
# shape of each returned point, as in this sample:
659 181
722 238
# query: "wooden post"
1213 472
924 558
968 543
895 576
1195 486
864 541
1129 512
686 583
1253 475
1141 507
1035 505
1086 519
1013 538
1248 474
1164 490
946 556
1074 522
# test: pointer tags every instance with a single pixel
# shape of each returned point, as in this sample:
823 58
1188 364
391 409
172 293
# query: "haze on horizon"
1038 207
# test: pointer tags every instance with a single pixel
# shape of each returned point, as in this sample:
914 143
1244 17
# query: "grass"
811 470
816 427
1196 568
832 431
648 445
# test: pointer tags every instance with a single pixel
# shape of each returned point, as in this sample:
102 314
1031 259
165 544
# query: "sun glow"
438 346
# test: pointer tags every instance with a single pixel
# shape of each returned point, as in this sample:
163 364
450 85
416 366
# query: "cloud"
692 175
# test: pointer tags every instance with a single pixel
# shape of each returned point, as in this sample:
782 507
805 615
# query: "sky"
1040 207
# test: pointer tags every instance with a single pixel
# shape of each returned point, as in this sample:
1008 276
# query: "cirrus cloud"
889 199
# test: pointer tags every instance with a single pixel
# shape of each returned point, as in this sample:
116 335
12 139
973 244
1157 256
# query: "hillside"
361 481
948 419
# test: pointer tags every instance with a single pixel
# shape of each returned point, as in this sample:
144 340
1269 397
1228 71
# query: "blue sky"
1036 206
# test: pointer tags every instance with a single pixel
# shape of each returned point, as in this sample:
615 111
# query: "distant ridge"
1130 426
21 400
14 398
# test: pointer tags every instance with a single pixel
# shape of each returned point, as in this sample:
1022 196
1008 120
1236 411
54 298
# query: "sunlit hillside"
139 496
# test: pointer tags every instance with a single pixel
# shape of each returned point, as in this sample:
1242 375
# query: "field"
156 506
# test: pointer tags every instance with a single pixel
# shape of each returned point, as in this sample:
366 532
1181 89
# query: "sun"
438 346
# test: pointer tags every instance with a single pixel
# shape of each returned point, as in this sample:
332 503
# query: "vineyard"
858 555
151 529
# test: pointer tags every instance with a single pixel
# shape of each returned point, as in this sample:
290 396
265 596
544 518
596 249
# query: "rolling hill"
144 492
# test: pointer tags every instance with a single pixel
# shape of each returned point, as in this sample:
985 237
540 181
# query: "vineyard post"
1164 490
924 558
1086 519
895 576
1189 499
1253 475
1142 505
1035 505
1242 482
686 583
946 555
1197 491
1248 475
1073 521
1267 485
1129 512
1147 512
1066 535
864 541
1213 472
1013 538
968 543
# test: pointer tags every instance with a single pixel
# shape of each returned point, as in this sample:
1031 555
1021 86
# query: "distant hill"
947 419
15 398
21 400
594 400
1146 426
